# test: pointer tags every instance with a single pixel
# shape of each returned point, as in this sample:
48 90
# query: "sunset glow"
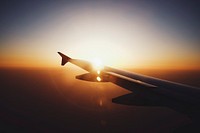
121 35
101 66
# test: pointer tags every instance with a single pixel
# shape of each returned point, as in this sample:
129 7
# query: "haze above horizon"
122 34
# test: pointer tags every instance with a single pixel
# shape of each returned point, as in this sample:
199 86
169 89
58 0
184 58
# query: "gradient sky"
131 34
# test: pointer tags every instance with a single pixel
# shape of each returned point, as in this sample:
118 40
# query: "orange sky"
117 35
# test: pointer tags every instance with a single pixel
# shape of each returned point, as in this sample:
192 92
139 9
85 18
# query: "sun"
97 65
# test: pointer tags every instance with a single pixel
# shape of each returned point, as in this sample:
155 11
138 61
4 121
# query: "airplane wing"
146 90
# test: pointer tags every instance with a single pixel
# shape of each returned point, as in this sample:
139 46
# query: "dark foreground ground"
51 100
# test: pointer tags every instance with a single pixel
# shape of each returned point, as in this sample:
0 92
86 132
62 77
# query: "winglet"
65 58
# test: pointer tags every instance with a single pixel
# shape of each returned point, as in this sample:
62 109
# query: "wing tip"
65 58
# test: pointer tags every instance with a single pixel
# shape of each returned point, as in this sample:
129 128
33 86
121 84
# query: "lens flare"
98 72
98 79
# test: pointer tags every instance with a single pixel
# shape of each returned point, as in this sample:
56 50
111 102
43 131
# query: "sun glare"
97 65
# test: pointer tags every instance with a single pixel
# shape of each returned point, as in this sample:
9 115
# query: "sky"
123 34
